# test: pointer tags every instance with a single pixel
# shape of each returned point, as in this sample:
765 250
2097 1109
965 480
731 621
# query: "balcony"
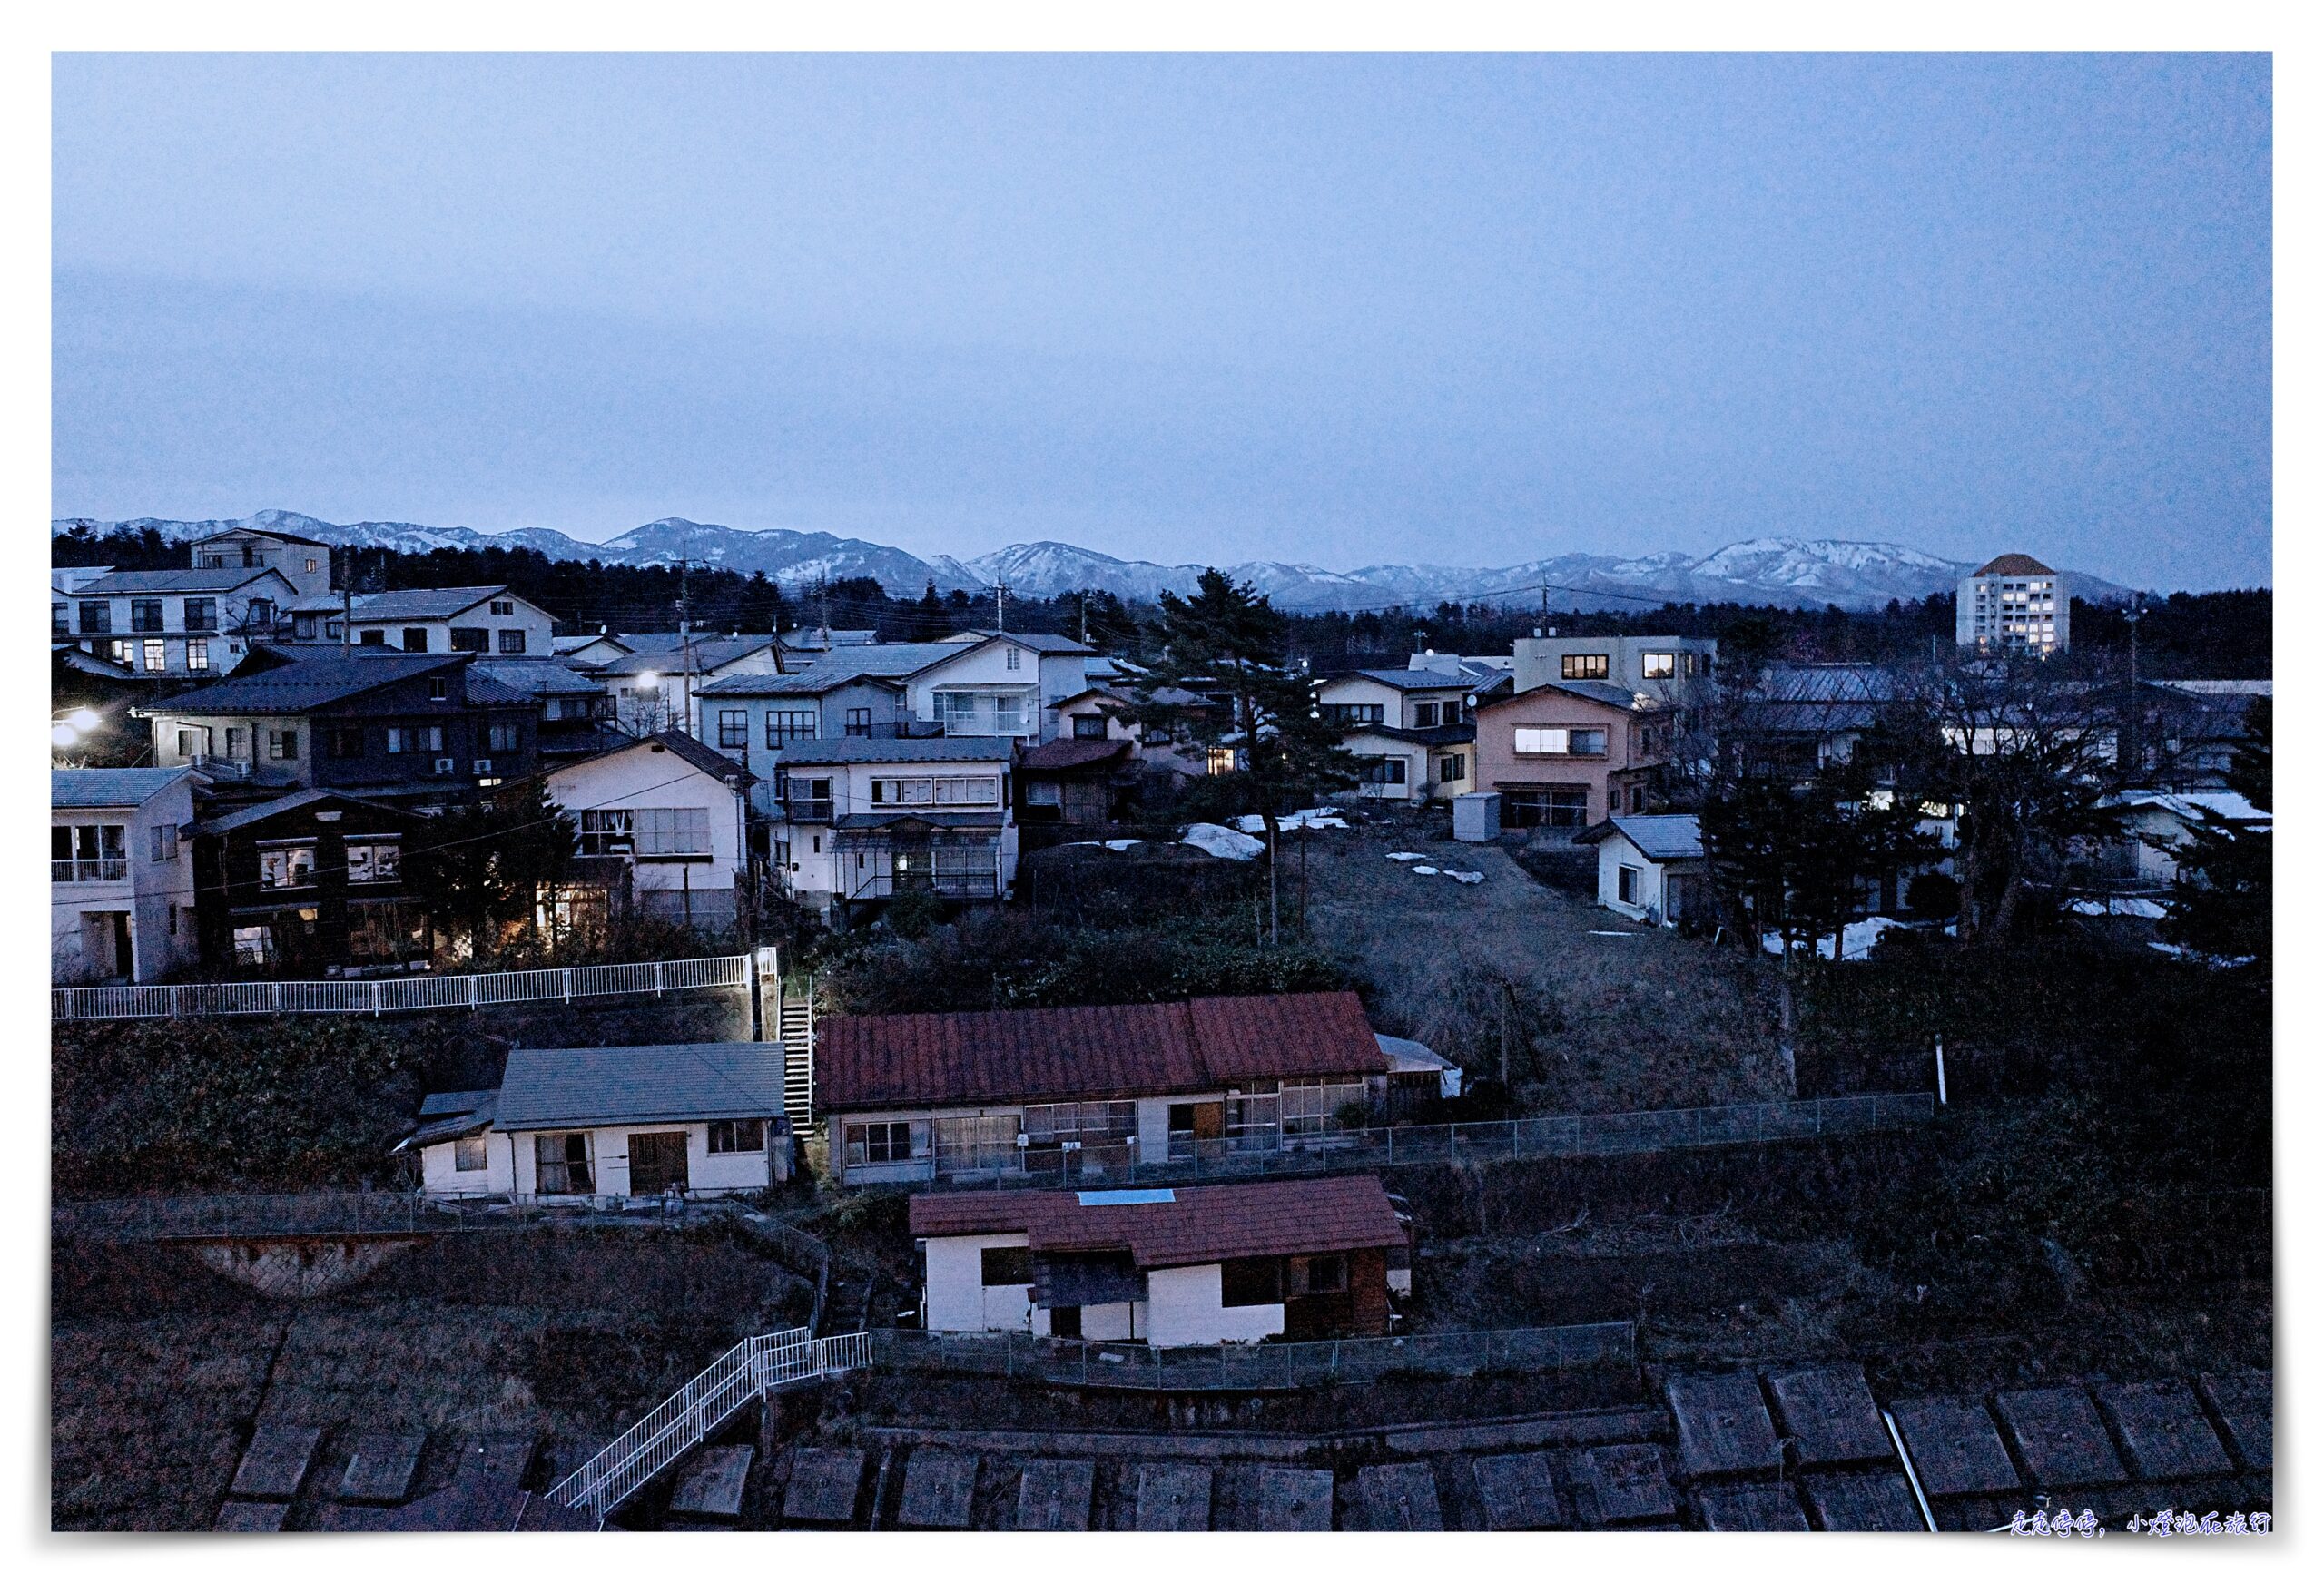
809 810
87 870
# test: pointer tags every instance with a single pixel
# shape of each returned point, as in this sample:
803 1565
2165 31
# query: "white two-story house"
487 620
199 622
663 821
121 876
1409 730
1007 684
859 819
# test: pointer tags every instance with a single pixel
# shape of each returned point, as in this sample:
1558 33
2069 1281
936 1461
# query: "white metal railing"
371 997
748 1372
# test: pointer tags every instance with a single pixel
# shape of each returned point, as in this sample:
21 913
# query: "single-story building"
2156 823
1176 1267
623 1121
1651 866
1089 1090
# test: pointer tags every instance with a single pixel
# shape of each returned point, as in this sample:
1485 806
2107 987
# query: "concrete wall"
955 1295
1182 1310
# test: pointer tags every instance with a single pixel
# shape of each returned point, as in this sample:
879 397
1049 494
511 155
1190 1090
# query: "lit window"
157 655
197 654
1583 667
1658 667
282 868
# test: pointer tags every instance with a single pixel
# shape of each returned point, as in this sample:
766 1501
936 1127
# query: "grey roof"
708 653
108 788
897 749
262 533
305 684
258 812
1600 693
426 604
639 1083
1408 1055
1426 736
541 678
1042 642
184 580
1412 681
582 640
825 676
458 1101
1667 837
693 751
445 1125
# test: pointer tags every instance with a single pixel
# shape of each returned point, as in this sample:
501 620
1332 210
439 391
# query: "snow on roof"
2190 806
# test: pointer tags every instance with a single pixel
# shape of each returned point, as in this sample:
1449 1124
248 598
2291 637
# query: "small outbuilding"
1173 1266
629 1121
1650 867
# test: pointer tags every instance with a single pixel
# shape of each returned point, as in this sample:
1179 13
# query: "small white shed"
1651 866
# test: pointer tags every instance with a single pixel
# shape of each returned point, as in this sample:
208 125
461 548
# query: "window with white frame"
157 655
935 790
197 654
1091 1124
671 832
1626 884
1658 667
606 832
1311 1108
80 853
1561 741
373 858
281 867
1452 767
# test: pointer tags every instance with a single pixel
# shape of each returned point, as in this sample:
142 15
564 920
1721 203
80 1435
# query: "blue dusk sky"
1448 309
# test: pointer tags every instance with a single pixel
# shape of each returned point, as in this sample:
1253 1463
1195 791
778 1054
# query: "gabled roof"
615 1084
1604 693
305 685
428 603
2012 565
444 1117
2190 806
184 580
1090 1052
109 787
1667 837
1409 680
1040 642
263 533
1166 1228
704 654
861 663
539 678
582 640
1069 752
259 813
694 751
897 749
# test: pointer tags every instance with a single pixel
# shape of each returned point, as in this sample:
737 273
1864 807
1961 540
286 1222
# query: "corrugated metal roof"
1201 1225
259 813
1664 837
1090 1052
898 750
108 788
458 1101
1414 681
693 751
426 604
182 580
537 678
305 684
619 1084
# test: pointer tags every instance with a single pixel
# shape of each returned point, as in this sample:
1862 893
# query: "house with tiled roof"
662 824
1409 729
1092 1090
1171 1266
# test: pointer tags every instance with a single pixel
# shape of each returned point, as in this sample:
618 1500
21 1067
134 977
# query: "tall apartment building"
2012 604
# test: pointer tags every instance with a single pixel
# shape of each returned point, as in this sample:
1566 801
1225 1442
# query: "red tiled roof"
1089 1052
1202 1225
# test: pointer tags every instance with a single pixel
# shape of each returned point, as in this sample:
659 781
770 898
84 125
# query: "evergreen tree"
482 866
2222 903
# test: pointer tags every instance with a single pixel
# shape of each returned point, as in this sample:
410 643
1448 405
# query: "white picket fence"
372 997
749 1371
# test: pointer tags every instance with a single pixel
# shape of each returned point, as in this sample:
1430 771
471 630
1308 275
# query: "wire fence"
249 1214
1453 1144
374 996
1265 1366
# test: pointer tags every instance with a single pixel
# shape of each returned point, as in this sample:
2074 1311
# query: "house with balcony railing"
192 621
121 889
856 821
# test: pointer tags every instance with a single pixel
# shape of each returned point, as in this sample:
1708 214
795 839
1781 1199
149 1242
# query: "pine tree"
2222 903
481 867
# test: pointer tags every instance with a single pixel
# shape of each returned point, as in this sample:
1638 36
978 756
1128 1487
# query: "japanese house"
1650 867
618 1122
1184 1267
861 819
119 881
306 885
1566 754
1088 1090
660 824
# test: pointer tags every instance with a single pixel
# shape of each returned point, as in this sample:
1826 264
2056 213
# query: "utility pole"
1085 618
346 606
2137 712
1000 608
685 641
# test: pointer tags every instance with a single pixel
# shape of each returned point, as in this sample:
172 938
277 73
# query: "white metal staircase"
748 1372
795 1025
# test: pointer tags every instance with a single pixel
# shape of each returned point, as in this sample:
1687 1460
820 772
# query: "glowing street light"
83 720
63 735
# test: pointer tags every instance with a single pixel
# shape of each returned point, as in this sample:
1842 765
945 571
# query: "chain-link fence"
1267 1366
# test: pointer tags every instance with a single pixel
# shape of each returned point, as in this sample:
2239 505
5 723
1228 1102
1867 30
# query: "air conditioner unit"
481 767
444 766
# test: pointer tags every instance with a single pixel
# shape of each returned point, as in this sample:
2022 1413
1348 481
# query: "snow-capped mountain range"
1850 573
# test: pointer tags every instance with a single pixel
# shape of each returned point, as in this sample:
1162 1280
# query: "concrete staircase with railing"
795 1025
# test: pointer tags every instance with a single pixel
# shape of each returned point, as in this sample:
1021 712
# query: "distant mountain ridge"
1851 573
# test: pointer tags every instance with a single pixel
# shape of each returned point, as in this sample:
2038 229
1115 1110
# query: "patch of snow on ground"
1425 869
1222 843
2118 907
1309 817
1855 939
1465 878
1123 845
1406 857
